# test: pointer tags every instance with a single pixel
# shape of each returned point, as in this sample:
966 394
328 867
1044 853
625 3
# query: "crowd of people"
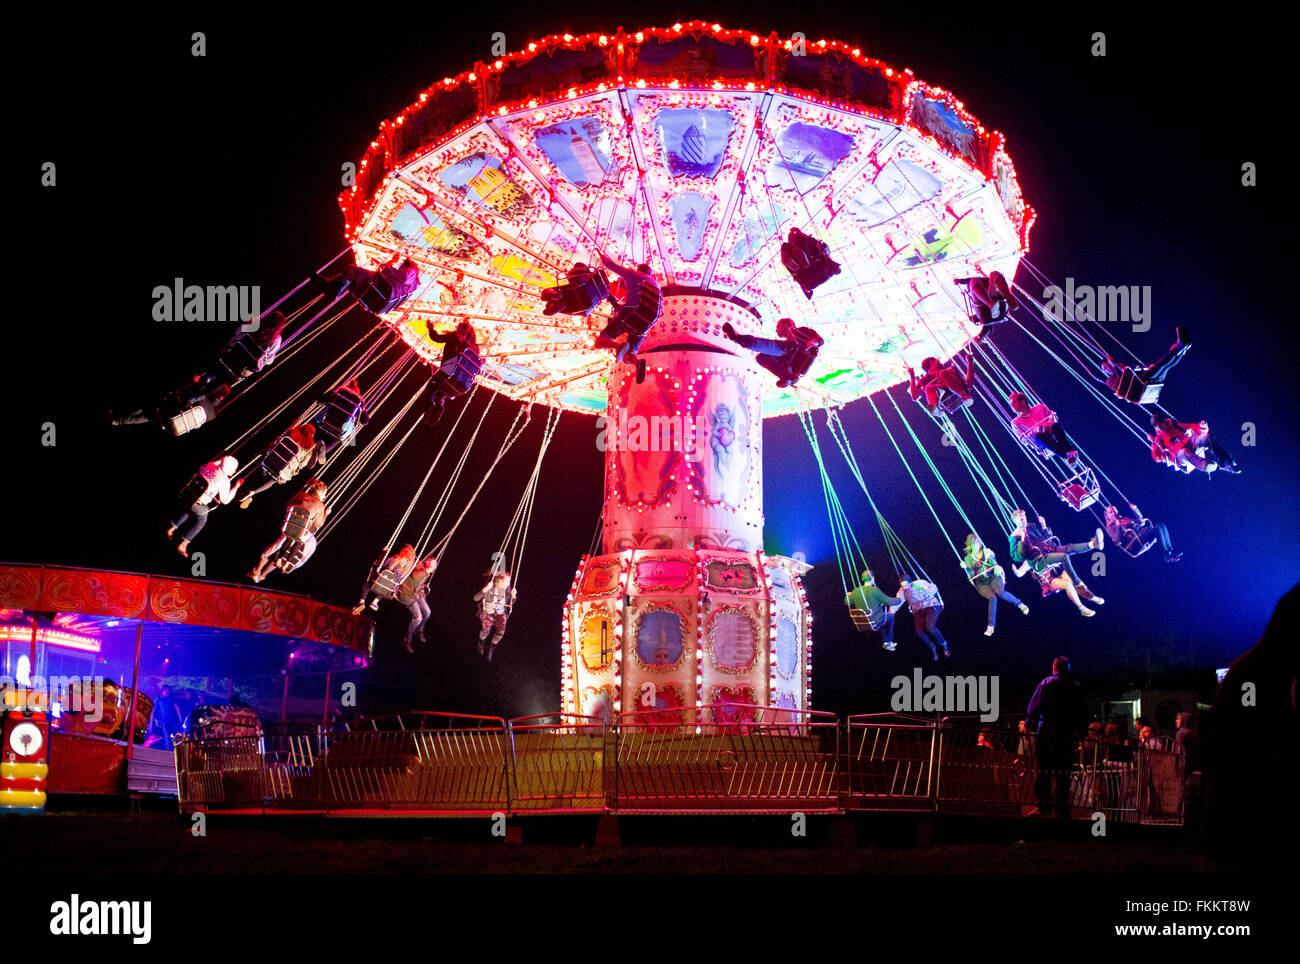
1055 736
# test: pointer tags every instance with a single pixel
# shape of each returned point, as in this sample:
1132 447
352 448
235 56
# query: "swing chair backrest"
1045 579
647 310
338 418
291 555
280 456
187 420
1133 388
295 526
584 292
802 360
385 291
194 490
951 402
386 583
242 355
456 375
411 585
1139 540
864 620
1080 490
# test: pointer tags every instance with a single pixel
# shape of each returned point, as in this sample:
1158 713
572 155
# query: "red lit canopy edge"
596 62
195 602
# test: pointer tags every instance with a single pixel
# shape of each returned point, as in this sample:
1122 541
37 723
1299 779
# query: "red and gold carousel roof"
696 149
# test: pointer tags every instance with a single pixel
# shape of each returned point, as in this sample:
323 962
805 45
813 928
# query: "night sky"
225 170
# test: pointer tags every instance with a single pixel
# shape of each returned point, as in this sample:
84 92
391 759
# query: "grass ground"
160 843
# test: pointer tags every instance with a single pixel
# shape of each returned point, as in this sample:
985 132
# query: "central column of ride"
683 608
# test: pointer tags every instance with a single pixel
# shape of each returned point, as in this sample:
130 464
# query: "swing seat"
808 261
386 584
295 526
339 417
865 621
801 361
187 420
643 317
280 456
386 292
410 587
952 402
1133 388
580 296
985 576
1142 539
1045 580
455 377
193 490
1080 490
290 555
241 357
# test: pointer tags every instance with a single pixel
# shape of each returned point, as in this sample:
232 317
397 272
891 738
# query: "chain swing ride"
747 211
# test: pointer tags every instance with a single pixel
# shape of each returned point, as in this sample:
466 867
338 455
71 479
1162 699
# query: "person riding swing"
789 356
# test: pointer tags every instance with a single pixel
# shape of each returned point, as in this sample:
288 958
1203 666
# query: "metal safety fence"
727 758
723 758
961 765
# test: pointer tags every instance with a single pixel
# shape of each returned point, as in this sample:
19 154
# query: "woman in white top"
192 515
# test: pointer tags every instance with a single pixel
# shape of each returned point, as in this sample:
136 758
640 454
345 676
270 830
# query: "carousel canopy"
695 149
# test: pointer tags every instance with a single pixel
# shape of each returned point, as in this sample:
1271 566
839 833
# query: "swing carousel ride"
718 158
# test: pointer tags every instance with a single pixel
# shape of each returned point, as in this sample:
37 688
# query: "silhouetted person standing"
1057 711
1249 749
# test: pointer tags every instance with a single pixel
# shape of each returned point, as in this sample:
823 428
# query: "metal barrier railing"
726 757
891 762
417 764
985 769
558 762
716 758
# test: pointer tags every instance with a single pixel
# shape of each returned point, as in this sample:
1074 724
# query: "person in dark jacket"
1249 751
247 352
457 369
583 291
381 291
639 309
180 411
808 260
788 356
1056 711
1130 384
1037 547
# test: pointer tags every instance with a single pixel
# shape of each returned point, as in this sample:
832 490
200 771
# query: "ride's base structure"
660 762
